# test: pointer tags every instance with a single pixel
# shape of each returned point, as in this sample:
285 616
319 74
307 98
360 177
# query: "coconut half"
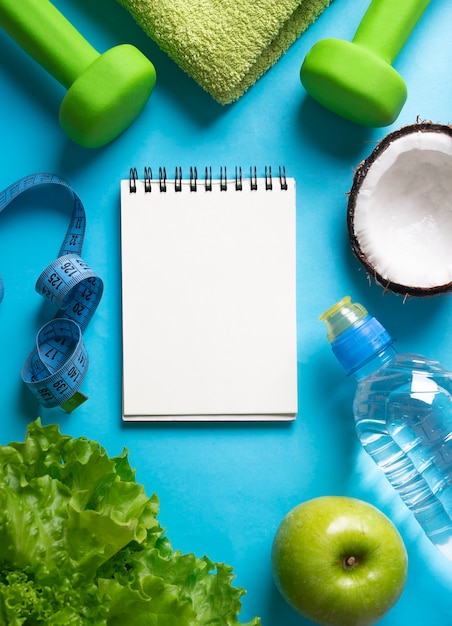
399 213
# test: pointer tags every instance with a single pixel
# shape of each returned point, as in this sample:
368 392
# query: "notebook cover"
209 302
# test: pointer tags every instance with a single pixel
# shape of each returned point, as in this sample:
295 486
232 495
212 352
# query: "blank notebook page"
209 300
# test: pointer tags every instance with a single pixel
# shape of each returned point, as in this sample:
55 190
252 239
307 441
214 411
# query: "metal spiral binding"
282 178
193 178
162 179
268 178
208 181
178 179
238 179
253 179
147 179
133 179
223 181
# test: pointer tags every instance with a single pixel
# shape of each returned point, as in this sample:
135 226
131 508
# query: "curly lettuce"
80 544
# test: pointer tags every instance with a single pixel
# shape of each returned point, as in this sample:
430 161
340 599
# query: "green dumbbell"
356 79
105 91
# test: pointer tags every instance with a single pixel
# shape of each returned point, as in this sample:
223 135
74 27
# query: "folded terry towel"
225 45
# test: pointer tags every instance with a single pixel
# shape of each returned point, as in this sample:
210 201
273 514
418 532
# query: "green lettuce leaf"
80 543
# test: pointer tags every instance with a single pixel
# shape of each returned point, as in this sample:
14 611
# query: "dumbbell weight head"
353 82
107 96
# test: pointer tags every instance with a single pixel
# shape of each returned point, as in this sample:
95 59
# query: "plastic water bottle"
403 415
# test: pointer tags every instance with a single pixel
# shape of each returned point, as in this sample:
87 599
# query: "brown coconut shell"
359 176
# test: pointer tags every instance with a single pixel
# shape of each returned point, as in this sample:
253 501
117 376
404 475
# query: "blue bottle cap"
355 336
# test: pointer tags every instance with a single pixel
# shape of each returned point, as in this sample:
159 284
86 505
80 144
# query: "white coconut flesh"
403 211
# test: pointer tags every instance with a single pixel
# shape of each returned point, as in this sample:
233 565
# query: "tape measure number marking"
56 367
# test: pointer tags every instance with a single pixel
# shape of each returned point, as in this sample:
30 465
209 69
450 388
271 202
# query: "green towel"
225 45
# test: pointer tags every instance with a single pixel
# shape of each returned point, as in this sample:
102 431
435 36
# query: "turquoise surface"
224 488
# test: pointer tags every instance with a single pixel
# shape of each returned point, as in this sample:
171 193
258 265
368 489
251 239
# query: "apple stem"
349 562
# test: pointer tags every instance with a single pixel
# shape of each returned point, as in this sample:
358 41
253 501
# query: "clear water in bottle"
403 415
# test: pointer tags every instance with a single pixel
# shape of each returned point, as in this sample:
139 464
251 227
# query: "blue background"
224 488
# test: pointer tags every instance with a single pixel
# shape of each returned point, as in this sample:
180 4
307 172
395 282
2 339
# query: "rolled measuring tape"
57 365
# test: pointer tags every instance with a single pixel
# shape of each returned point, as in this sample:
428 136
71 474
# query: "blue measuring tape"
56 367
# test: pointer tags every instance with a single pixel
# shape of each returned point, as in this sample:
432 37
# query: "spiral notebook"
209 296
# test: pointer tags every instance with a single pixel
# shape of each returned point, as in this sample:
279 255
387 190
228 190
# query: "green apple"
339 561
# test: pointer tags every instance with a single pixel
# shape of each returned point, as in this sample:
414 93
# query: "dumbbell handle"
387 24
48 37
